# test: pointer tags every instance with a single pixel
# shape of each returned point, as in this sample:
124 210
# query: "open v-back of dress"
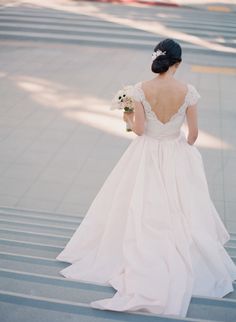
153 232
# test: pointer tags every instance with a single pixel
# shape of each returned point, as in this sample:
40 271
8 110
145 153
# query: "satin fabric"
153 232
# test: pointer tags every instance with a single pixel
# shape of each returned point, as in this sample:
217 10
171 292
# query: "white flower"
157 53
123 95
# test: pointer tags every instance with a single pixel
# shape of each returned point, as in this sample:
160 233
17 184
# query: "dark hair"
172 55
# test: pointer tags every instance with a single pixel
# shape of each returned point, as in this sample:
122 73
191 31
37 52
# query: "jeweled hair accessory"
157 53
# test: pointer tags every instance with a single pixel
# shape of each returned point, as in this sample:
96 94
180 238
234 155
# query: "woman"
152 232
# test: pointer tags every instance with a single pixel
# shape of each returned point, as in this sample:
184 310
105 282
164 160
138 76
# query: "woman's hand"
128 116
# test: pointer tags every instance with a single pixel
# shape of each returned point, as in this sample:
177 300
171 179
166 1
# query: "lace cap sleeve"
193 95
136 93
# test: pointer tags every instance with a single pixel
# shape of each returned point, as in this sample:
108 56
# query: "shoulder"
181 87
137 91
181 83
143 84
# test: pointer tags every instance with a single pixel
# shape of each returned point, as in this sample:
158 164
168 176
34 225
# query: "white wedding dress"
152 232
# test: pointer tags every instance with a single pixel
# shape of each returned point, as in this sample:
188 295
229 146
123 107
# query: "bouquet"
123 100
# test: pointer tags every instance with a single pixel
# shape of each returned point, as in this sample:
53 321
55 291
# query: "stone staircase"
31 288
49 25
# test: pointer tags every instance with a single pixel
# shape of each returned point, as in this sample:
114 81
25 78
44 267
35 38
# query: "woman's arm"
191 116
136 119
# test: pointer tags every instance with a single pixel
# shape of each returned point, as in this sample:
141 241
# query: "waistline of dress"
168 137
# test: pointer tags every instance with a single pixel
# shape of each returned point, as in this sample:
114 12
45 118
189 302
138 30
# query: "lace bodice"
154 127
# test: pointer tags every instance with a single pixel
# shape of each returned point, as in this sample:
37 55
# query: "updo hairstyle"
172 56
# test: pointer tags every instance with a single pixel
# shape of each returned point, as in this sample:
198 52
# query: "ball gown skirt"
153 232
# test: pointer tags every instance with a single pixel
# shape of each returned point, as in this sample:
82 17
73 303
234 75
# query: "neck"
167 75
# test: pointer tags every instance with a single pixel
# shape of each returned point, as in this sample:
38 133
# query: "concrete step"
35 227
106 25
30 278
14 221
190 18
231 250
77 286
38 309
45 220
32 236
31 264
24 224
35 263
70 23
107 32
40 214
77 30
231 242
108 41
22 245
27 248
96 31
50 27
74 292
53 287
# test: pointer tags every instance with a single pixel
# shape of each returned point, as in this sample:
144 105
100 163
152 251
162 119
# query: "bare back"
165 96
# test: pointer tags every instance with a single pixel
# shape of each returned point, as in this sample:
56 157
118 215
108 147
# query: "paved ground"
58 138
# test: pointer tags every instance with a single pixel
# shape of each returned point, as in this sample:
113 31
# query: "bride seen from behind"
152 232
164 93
